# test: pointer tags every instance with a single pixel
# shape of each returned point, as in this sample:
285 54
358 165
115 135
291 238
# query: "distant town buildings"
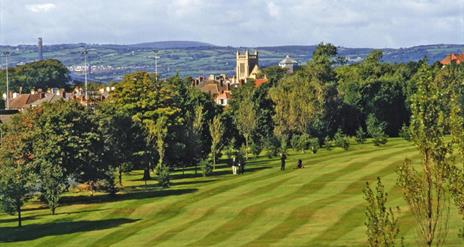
453 58
220 87
289 64
20 101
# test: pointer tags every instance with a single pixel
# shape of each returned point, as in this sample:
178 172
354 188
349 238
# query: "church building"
247 66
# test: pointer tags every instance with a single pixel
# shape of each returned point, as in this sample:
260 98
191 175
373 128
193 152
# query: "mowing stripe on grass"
175 209
228 229
301 215
172 232
169 234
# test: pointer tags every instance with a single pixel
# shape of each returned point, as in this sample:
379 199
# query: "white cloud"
273 9
353 23
39 8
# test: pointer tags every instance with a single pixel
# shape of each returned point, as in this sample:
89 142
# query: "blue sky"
350 23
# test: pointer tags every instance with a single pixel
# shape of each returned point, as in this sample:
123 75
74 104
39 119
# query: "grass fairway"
320 205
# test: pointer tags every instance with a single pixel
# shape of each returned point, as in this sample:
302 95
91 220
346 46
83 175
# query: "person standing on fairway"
283 157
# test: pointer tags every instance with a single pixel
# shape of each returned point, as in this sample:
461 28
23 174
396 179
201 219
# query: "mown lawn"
320 205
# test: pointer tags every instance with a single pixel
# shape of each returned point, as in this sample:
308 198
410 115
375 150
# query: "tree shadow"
257 162
193 182
14 219
122 197
35 231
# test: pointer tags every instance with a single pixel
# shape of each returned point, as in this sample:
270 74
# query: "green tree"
120 136
341 140
307 101
381 223
43 74
360 135
375 129
147 100
217 131
246 121
18 178
426 191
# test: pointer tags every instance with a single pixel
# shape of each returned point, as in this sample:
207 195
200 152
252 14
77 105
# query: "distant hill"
171 45
189 58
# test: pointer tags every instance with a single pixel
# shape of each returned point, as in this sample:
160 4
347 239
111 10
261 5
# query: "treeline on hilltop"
160 125
44 74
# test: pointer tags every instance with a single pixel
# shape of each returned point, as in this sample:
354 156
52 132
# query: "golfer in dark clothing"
299 164
283 157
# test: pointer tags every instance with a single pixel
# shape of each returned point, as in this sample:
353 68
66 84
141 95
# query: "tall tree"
305 101
18 179
425 192
381 223
146 100
245 120
217 131
120 135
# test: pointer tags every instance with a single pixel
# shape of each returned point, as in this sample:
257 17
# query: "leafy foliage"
18 180
44 74
341 140
360 135
426 191
375 128
381 223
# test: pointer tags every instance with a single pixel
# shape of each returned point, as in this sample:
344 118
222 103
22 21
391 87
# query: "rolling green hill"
194 58
320 205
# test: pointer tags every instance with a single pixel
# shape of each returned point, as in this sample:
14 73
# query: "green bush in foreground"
360 136
340 140
376 130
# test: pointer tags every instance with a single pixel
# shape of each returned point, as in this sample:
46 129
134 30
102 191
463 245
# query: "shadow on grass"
14 219
218 173
127 196
193 182
35 231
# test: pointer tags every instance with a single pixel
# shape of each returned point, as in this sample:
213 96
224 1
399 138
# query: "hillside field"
320 205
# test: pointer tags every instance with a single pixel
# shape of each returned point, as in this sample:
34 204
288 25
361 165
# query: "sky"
251 23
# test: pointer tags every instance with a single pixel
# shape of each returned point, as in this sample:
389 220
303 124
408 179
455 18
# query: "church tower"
245 65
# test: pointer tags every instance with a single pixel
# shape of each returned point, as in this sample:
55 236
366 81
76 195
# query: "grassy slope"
320 205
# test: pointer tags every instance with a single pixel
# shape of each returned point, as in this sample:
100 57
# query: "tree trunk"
246 147
214 159
120 175
18 209
53 210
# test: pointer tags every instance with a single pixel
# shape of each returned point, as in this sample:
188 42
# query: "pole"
85 52
156 57
156 66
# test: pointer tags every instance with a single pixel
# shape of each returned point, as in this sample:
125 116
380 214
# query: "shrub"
341 140
376 130
272 145
255 149
206 167
328 143
404 133
314 145
109 183
304 142
360 135
230 150
301 143
295 142
164 179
